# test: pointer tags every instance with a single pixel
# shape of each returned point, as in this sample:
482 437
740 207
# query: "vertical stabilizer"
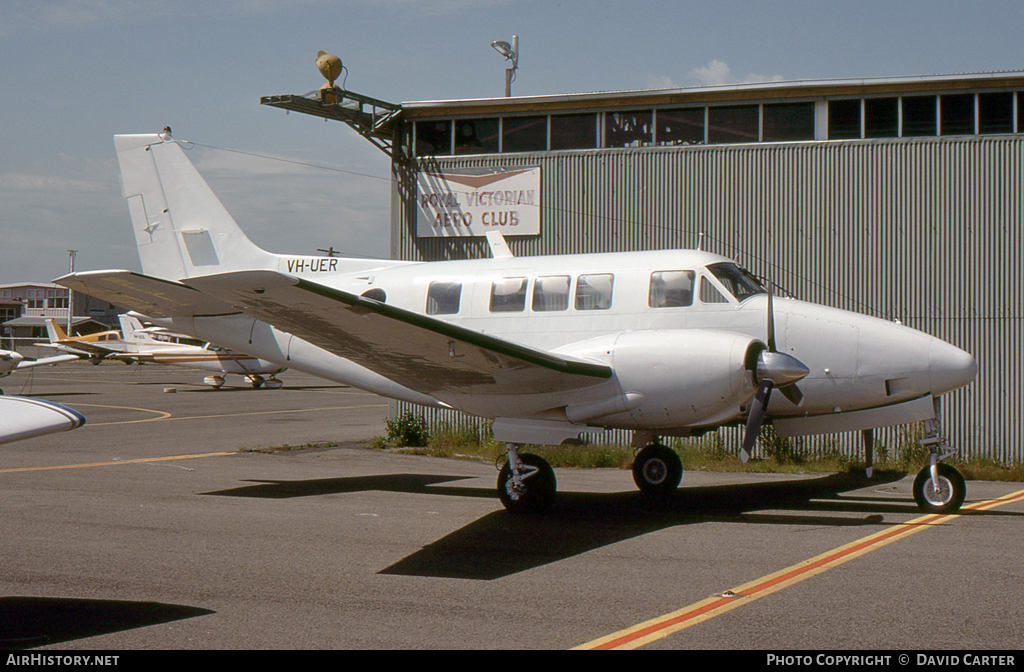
131 329
181 227
54 331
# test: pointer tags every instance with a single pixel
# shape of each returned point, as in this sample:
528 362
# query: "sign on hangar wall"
471 204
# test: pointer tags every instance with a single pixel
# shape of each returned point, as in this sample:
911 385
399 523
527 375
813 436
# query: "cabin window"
671 289
709 293
551 293
594 292
736 280
443 298
508 295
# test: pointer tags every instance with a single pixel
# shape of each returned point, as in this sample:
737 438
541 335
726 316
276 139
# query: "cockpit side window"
739 282
508 295
671 289
594 292
443 297
709 293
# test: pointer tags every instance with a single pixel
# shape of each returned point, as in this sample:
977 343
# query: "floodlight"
510 52
503 48
331 67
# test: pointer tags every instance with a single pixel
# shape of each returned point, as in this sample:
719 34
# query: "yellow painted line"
163 415
115 462
658 628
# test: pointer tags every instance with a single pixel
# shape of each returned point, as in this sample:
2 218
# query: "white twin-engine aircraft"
665 343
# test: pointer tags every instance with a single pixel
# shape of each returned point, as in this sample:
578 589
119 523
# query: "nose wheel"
938 488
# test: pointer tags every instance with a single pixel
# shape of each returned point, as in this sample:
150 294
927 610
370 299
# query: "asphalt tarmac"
181 517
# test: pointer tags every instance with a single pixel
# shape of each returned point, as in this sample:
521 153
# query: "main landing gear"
526 484
938 488
657 469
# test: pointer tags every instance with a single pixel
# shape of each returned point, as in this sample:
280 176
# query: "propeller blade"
771 318
793 393
754 419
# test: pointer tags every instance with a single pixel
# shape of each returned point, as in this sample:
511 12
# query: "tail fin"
54 331
181 227
131 328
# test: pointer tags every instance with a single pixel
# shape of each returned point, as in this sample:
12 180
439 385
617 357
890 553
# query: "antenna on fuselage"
499 248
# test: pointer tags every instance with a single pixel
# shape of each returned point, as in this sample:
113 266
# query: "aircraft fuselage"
676 327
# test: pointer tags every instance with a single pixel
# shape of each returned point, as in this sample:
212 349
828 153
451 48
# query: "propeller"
774 369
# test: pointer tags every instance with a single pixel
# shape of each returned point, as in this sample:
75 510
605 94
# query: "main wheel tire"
538 489
657 470
951 494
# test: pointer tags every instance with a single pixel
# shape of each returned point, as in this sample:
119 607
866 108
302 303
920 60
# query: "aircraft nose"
949 367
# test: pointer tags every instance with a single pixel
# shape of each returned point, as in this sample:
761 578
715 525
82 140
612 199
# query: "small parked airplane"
95 347
665 343
160 346
26 417
11 361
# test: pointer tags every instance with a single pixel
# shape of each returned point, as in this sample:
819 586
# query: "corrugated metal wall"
926 231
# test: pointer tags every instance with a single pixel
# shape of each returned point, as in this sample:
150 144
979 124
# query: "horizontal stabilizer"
417 351
145 294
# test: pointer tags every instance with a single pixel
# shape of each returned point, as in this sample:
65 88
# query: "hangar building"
896 197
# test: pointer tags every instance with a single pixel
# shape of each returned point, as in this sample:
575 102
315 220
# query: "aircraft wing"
25 417
414 350
79 349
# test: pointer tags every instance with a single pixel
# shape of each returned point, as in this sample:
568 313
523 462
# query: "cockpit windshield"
738 281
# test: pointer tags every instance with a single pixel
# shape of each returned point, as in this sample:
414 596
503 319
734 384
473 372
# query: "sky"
77 72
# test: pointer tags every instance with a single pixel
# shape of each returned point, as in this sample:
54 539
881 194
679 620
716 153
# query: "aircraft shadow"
27 622
500 544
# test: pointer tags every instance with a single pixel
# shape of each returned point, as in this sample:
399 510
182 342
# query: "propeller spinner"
774 369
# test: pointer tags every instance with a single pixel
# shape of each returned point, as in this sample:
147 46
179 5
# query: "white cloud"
652 81
30 182
717 73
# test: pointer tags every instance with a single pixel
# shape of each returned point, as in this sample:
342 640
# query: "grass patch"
409 434
287 448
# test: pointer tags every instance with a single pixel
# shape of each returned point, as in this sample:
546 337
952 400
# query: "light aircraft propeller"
774 369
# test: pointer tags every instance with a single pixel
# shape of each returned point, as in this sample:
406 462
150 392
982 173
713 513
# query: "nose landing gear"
938 488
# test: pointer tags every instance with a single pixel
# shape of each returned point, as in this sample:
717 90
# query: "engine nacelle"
686 377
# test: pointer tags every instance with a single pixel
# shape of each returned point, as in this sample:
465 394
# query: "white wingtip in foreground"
25 417
664 343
